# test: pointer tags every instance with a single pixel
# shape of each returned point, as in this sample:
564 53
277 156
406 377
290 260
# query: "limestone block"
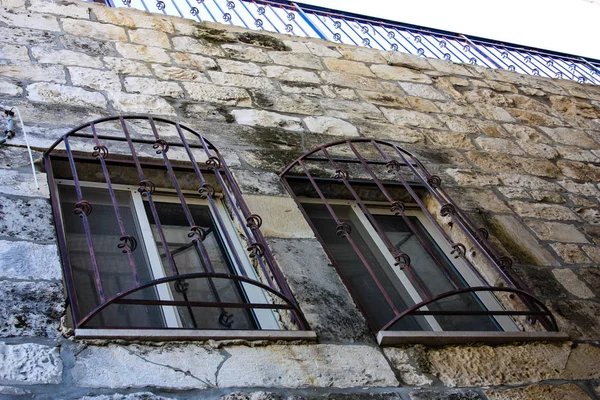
93 29
195 61
577 154
556 231
465 111
579 318
498 145
349 80
232 96
419 90
396 58
11 390
287 103
351 67
9 89
391 132
411 118
493 112
321 50
267 119
470 178
547 197
458 124
140 103
578 170
573 137
299 366
384 99
135 366
570 253
127 67
539 167
20 218
31 309
450 67
149 37
94 79
178 74
16 36
539 392
133 18
544 211
186 44
13 3
281 217
529 182
534 118
403 360
239 67
33 72
143 53
245 53
68 95
290 74
330 126
30 364
61 7
572 106
395 73
89 46
352 110
27 260
261 182
450 139
584 363
593 252
296 60
477 199
467 366
13 52
488 96
422 105
333 92
572 283
28 19
153 87
245 81
362 54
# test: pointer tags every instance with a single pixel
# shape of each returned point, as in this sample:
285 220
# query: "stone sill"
390 338
193 334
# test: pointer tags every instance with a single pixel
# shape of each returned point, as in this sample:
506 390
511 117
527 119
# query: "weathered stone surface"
539 392
478 199
13 52
351 67
493 112
411 118
9 89
267 119
64 57
578 170
405 362
458 124
578 318
30 364
545 211
534 118
178 74
44 73
296 60
63 8
503 365
539 167
94 79
471 178
218 94
584 363
130 396
423 91
570 253
576 153
246 53
290 74
14 35
573 106
422 105
529 182
239 67
89 46
26 19
498 145
330 126
298 366
281 217
363 54
557 232
349 80
31 309
392 132
258 182
333 92
27 260
287 103
572 283
321 50
396 58
322 296
448 394
140 103
384 99
149 37
143 53
394 73
77 27
19 219
573 137
72 96
468 111
352 110
450 139
133 18
245 81
194 61
127 67
153 87
449 67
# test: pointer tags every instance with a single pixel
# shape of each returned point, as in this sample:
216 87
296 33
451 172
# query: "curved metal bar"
545 311
199 275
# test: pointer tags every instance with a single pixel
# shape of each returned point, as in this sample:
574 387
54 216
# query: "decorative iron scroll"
166 148
368 172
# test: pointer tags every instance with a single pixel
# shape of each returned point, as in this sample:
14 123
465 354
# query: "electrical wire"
26 143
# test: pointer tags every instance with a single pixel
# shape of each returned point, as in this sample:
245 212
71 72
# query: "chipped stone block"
93 29
140 103
267 119
573 137
30 364
411 118
356 53
31 309
290 74
239 67
127 67
349 80
451 139
468 366
186 44
494 113
578 170
178 74
384 99
458 124
395 73
95 79
330 126
143 53
287 103
495 162
133 18
32 72
246 53
351 67
423 91
153 87
150 37
27 260
65 57
60 94
15 36
218 94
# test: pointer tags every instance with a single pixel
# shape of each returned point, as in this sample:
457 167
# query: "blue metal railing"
305 20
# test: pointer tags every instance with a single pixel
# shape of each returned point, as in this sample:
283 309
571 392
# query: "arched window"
412 260
154 233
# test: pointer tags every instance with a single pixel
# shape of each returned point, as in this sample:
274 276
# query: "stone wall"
521 154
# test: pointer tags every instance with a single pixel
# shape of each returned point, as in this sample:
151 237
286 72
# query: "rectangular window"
431 272
150 263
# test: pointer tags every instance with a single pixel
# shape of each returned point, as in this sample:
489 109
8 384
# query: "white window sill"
192 334
390 338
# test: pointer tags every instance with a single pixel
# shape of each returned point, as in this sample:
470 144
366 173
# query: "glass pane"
113 265
190 257
357 276
436 273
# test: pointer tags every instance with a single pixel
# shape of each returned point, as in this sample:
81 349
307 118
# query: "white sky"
569 26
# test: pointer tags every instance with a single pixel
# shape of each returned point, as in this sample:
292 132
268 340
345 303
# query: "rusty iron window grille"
410 257
154 233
